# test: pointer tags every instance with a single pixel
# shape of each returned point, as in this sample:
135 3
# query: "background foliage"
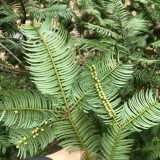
130 30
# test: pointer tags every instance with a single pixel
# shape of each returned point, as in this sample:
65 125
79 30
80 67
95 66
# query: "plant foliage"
94 77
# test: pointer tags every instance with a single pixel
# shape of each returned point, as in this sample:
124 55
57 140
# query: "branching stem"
24 11
9 69
11 53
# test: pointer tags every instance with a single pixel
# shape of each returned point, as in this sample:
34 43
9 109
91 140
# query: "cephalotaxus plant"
69 96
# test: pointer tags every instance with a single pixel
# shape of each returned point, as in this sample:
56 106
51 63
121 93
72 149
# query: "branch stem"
11 53
9 69
24 11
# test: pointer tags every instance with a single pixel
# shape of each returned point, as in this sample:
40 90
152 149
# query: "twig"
24 11
9 69
10 52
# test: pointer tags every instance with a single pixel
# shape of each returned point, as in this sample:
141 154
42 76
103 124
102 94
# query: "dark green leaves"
77 131
141 112
52 60
56 11
29 143
19 107
115 144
